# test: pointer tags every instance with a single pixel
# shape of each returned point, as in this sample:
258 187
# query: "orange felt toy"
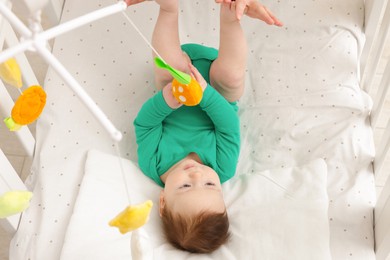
29 105
188 94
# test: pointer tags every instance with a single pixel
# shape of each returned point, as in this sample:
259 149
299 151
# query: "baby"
191 150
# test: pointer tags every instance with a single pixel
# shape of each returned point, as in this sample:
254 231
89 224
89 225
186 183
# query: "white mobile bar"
55 31
82 20
80 92
37 41
15 50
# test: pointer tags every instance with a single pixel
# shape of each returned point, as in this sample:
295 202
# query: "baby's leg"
166 41
227 72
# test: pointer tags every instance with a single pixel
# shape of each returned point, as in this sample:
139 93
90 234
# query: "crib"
307 118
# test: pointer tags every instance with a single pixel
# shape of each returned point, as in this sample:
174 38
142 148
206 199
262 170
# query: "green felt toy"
185 88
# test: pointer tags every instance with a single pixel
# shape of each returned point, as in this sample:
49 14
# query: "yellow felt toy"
27 108
13 202
10 73
132 217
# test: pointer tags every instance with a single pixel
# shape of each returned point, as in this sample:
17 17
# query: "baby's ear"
162 203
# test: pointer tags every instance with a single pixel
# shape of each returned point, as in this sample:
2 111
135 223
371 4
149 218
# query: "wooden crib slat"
382 224
373 13
24 135
51 8
53 11
377 30
381 94
382 208
2 35
375 41
383 249
9 180
9 37
382 150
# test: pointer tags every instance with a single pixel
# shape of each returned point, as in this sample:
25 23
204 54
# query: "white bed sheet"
272 214
302 102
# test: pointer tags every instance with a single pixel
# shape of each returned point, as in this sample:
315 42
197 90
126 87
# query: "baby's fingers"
275 20
198 77
240 8
194 71
133 2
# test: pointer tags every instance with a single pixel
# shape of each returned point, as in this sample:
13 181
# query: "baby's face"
192 187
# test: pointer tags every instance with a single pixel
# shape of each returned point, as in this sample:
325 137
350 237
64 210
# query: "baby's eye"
185 186
210 184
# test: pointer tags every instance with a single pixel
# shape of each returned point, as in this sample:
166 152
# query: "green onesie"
210 129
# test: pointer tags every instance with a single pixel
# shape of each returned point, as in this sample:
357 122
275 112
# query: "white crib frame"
377 28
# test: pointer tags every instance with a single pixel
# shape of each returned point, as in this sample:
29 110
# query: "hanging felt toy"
30 103
132 217
27 108
185 89
10 73
13 202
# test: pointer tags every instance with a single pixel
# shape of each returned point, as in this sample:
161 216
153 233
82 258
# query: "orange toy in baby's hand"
188 94
29 105
185 89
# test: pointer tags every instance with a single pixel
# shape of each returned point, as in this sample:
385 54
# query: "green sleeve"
227 131
148 131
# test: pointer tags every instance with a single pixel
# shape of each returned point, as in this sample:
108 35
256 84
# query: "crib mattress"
302 102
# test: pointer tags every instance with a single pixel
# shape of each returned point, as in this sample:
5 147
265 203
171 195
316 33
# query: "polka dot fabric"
302 101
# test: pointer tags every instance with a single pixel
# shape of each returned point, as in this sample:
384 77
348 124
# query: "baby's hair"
202 233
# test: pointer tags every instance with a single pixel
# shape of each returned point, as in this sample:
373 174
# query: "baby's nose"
195 174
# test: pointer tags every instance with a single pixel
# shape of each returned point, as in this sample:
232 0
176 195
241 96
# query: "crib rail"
9 178
377 37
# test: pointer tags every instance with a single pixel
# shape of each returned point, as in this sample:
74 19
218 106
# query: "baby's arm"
148 130
227 131
220 111
227 127
153 112
148 123
157 108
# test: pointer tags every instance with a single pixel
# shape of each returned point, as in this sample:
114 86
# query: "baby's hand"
259 11
133 2
195 74
169 98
